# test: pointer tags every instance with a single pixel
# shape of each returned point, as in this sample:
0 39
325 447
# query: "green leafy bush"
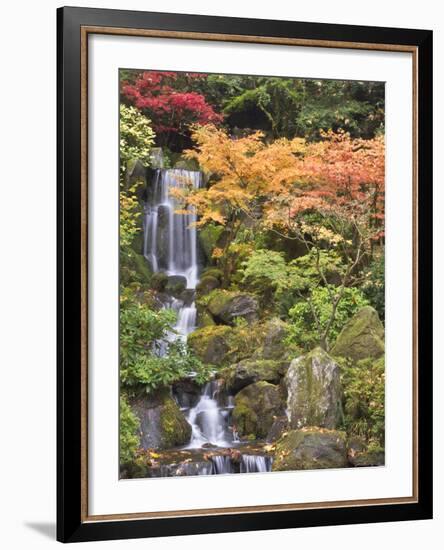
304 330
136 137
364 385
144 333
129 426
374 285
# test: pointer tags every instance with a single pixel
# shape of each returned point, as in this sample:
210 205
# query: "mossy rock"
159 281
213 272
208 238
314 391
227 306
183 163
360 455
204 319
162 423
310 449
175 286
274 346
206 285
246 372
255 409
134 268
362 336
210 343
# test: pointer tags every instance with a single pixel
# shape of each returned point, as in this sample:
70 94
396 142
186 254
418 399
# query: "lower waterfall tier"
243 458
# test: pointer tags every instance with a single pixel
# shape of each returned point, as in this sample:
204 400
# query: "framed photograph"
244 274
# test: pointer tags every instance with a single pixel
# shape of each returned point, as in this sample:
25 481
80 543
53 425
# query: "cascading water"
170 246
209 421
170 241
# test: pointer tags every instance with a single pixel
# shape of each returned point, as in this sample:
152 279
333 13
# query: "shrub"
129 425
304 331
148 357
364 395
136 137
374 285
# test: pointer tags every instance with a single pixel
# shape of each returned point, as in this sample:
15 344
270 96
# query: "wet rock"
310 449
162 424
186 392
362 336
255 409
176 284
314 391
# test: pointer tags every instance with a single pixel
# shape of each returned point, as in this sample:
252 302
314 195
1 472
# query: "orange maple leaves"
277 181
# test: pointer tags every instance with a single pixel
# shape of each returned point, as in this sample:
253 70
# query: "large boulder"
210 343
314 391
310 449
255 409
162 424
246 372
226 307
362 336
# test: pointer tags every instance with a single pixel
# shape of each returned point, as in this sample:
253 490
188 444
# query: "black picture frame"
72 524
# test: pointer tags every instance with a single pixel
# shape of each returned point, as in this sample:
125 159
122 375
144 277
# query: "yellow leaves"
217 253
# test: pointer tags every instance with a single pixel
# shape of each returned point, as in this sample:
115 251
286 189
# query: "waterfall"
255 463
170 247
208 420
170 240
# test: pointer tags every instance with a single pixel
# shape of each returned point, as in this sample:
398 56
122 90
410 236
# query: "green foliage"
304 330
374 285
129 426
364 395
268 274
143 334
136 136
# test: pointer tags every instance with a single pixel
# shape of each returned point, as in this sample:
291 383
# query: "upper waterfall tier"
169 238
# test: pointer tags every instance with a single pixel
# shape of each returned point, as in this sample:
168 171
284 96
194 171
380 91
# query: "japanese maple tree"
168 100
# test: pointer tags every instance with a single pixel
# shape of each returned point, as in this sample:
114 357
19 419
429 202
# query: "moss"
362 336
249 371
213 272
208 238
210 343
159 281
309 449
205 319
175 429
256 407
206 285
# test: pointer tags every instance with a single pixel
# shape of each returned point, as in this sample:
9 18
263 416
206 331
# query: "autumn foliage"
272 184
172 111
